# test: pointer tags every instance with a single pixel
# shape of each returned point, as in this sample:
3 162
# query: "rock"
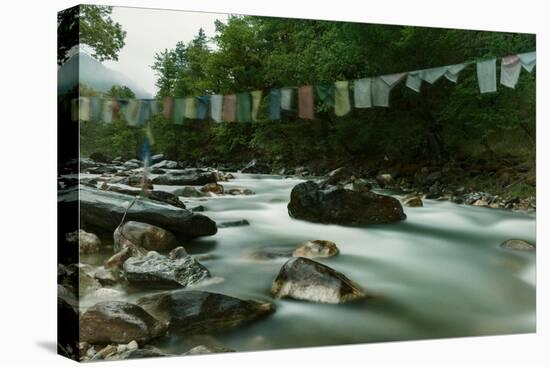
189 192
200 312
177 253
240 191
107 276
316 248
155 270
106 293
162 196
104 210
137 181
234 223
145 236
186 178
102 169
156 158
119 322
256 167
412 201
203 349
87 284
147 352
305 279
117 260
340 175
197 209
166 164
520 245
100 157
272 252
88 243
385 179
341 206
213 188
108 351
360 185
157 171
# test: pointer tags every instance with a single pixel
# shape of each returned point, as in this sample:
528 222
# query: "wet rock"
87 284
189 192
234 223
137 181
119 322
155 270
88 243
161 196
316 248
117 260
100 157
515 244
305 279
107 276
412 201
308 201
157 171
255 166
385 179
102 169
177 253
166 164
203 349
213 188
144 235
197 209
199 312
240 191
360 185
186 178
156 158
104 210
340 175
108 351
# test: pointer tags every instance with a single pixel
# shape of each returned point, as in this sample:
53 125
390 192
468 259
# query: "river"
439 273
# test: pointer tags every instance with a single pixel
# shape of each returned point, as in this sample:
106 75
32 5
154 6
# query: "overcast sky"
149 31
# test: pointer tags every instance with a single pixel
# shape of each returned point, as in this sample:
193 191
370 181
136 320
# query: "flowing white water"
439 273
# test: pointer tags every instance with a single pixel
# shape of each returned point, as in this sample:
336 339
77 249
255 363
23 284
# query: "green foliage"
89 25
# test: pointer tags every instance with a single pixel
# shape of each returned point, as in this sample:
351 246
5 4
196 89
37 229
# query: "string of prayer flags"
487 76
528 60
510 68
286 99
228 109
216 102
341 98
275 104
362 93
305 102
178 111
453 70
190 108
243 107
325 93
202 106
256 100
382 86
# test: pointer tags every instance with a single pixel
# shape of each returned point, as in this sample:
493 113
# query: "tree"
89 25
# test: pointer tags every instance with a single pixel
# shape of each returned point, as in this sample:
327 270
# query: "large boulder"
158 271
305 279
104 210
119 322
335 205
144 235
186 178
199 312
162 196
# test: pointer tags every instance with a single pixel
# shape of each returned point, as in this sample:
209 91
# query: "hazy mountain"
94 74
